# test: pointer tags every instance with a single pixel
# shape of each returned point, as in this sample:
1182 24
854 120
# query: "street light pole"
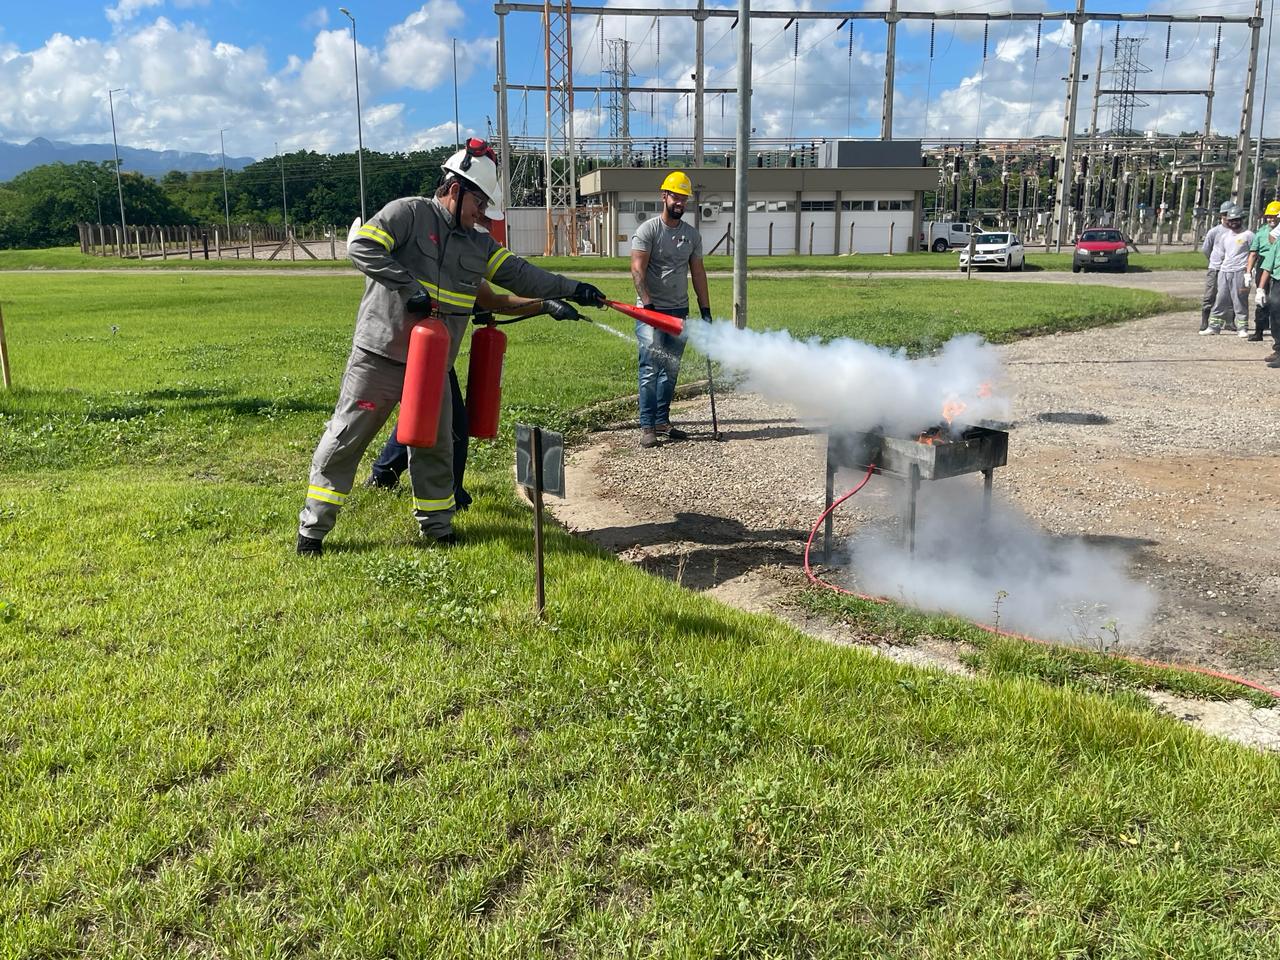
226 203
457 136
115 148
355 59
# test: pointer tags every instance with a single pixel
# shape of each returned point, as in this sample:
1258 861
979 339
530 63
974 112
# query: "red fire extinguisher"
484 381
423 383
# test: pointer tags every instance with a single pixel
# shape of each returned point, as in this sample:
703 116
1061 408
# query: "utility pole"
1255 199
1066 174
1246 108
284 193
115 149
699 84
890 56
226 202
1097 89
742 162
504 135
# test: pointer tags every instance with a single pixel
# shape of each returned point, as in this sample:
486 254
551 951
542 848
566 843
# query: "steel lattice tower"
562 187
1125 68
620 73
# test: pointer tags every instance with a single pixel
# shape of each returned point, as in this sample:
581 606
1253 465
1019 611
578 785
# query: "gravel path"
1180 475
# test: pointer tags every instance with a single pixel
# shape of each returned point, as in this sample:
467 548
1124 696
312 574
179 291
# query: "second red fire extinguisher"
484 381
424 375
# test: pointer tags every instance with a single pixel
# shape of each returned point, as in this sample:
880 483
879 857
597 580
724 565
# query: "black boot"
309 546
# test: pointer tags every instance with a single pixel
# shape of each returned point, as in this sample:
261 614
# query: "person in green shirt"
1258 251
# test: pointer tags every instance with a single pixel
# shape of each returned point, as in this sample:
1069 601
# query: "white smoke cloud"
969 563
853 386
964 559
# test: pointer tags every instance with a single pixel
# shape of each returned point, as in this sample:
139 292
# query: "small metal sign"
552 446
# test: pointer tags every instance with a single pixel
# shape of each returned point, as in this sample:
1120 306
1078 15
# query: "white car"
1003 250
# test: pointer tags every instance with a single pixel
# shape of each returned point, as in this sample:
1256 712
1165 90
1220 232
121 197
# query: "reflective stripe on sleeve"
430 506
451 298
373 233
325 495
499 257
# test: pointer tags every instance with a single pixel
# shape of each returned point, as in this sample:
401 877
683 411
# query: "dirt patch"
1173 461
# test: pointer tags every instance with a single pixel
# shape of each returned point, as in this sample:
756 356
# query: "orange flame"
984 390
952 409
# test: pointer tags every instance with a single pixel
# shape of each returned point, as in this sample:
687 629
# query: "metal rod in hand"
711 388
4 354
540 596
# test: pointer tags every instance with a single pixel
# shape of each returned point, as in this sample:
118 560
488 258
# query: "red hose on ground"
818 581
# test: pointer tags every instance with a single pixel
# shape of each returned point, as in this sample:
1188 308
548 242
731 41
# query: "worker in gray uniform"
1211 250
411 247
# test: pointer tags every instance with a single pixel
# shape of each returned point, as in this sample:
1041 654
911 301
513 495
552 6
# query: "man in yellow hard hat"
665 253
1261 246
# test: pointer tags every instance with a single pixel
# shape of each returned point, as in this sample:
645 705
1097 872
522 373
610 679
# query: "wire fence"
214 242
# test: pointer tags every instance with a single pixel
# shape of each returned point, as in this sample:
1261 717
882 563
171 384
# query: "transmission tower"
1125 68
562 187
620 73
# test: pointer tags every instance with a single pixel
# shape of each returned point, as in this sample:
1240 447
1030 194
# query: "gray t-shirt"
1210 246
670 249
1232 250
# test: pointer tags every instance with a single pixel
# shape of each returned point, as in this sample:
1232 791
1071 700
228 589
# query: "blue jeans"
394 458
660 355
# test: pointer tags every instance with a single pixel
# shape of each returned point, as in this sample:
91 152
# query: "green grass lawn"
213 748
62 258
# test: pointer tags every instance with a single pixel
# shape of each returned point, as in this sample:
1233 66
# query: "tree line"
41 207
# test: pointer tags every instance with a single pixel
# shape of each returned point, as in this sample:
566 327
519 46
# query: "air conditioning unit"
709 211
641 216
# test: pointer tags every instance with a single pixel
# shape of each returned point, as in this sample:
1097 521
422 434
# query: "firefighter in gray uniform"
411 247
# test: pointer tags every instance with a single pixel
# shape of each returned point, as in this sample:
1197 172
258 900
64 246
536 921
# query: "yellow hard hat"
1273 209
677 182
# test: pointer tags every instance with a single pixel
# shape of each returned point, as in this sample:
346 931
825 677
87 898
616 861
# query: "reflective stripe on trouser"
1210 295
371 387
1230 303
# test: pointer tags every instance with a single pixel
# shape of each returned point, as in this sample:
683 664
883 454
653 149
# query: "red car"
1100 248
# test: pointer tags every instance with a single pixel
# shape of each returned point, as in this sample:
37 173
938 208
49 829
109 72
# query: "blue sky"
282 72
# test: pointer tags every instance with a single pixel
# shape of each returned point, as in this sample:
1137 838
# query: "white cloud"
181 86
126 10
316 19
438 136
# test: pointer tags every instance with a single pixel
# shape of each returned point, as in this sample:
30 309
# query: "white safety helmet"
477 164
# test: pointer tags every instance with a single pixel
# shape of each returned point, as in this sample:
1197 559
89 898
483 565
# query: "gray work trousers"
1230 302
1210 298
371 387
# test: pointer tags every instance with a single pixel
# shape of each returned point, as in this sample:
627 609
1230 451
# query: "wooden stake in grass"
4 354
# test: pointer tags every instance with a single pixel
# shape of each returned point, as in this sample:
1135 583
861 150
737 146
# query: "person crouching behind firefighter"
410 247
665 253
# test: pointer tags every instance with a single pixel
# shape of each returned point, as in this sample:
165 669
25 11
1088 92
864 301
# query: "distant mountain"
16 158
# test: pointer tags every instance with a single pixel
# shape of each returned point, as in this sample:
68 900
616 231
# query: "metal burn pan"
975 450
937 454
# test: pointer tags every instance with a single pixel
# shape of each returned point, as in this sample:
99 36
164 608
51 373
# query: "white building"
870 203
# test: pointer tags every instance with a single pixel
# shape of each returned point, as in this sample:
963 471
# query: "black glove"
646 306
560 310
419 305
588 296
706 314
